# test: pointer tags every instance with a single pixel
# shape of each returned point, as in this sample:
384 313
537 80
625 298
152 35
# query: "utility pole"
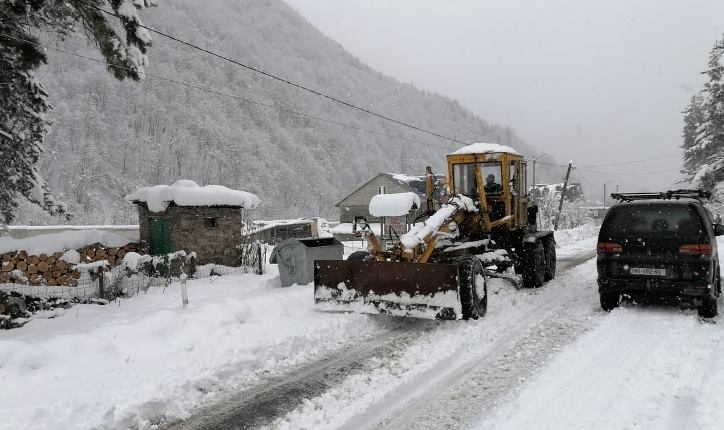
604 195
534 159
563 194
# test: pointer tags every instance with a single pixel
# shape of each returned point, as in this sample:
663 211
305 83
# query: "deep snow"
136 362
639 368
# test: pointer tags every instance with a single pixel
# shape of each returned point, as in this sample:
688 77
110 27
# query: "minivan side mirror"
718 230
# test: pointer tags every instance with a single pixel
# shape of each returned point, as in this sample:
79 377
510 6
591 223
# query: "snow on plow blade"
406 289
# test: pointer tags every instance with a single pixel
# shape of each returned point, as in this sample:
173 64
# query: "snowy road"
305 392
248 354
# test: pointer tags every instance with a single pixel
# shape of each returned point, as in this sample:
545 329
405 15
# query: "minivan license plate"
647 271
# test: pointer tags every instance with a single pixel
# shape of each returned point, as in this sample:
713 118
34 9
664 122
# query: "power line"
586 180
630 174
212 91
552 164
634 161
278 78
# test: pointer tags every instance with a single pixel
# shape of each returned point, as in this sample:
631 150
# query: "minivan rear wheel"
710 308
609 300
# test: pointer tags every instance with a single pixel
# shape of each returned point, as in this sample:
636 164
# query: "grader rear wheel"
550 264
534 267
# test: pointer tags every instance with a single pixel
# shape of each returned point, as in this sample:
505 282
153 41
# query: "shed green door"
160 237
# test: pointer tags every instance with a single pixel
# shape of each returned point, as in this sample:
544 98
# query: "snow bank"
130 364
60 242
185 192
397 204
479 148
573 235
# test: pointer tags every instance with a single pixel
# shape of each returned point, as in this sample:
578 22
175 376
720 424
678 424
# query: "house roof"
415 184
185 192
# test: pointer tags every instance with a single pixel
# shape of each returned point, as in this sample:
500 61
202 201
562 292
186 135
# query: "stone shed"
185 216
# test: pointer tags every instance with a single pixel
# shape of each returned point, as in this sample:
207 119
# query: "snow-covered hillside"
110 137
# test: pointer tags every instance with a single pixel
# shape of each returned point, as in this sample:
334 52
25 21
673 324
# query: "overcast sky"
596 82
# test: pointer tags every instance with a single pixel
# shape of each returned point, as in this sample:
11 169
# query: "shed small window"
210 222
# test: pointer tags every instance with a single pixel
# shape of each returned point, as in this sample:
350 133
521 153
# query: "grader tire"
534 265
473 296
550 250
359 256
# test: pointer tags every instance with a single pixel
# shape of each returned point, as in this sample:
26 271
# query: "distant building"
357 203
187 217
574 191
274 231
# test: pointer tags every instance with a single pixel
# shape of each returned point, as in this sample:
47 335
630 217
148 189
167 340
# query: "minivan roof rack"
697 194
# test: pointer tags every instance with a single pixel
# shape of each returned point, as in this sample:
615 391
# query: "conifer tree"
707 168
23 100
693 120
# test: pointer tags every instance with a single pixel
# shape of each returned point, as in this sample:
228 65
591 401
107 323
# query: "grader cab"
439 268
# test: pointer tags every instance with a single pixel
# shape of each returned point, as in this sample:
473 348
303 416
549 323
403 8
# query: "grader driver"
439 268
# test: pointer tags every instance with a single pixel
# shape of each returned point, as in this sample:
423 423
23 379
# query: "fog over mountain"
110 137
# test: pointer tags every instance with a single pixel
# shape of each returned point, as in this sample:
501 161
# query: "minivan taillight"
608 248
695 249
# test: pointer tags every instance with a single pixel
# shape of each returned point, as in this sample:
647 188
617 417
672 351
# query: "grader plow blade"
406 289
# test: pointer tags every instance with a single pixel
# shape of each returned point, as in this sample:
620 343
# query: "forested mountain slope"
110 137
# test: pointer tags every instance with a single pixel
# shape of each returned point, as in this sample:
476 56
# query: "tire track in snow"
366 398
274 397
457 399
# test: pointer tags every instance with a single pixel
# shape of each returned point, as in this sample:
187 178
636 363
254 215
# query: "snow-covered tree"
704 155
693 119
23 100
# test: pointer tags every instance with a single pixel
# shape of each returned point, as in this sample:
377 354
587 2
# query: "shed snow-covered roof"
185 192
481 148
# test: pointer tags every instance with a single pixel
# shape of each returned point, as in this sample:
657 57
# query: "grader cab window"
492 177
464 178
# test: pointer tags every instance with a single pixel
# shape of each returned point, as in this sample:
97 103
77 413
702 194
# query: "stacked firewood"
54 269
97 252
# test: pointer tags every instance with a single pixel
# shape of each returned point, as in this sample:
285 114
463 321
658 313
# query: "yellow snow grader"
439 267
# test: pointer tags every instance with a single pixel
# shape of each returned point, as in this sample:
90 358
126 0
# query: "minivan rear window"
680 220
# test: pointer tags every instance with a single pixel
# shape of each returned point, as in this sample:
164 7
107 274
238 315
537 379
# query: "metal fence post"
184 291
101 283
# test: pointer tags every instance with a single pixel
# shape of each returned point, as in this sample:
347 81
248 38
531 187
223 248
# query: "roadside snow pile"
397 204
573 235
60 242
481 148
145 360
185 192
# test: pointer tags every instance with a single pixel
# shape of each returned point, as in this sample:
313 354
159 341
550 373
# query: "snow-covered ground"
133 361
637 368
137 362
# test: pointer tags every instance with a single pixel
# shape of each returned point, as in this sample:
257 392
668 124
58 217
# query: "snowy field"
546 358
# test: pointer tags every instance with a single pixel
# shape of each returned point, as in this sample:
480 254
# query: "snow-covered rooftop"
50 243
406 178
481 148
396 204
185 192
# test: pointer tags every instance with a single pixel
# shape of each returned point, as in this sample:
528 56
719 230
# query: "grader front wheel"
473 288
